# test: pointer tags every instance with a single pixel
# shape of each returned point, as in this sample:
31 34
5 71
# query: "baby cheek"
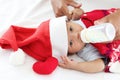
79 46
72 49
76 48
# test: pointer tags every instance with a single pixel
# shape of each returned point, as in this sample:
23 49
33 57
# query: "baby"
109 50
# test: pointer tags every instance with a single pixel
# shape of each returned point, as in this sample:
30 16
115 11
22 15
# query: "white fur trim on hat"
80 22
17 57
58 37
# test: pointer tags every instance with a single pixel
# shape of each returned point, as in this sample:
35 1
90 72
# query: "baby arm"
88 67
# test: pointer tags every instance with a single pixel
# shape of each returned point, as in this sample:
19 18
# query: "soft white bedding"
30 13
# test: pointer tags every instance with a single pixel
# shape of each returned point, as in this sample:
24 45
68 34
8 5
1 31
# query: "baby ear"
17 57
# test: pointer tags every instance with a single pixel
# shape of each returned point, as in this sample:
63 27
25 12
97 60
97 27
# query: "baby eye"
71 29
71 43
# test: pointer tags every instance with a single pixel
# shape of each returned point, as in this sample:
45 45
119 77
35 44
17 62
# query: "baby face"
74 40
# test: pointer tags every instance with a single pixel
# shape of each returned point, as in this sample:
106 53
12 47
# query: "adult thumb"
75 4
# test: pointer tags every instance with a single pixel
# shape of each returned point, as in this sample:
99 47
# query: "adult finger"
74 4
66 11
74 16
58 14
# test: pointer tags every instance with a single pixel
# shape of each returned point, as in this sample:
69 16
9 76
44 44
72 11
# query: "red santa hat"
52 36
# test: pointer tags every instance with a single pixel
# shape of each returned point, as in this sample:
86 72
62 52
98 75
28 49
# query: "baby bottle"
98 33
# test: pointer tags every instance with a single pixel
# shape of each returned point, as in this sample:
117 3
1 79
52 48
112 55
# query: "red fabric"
46 67
110 50
35 42
14 36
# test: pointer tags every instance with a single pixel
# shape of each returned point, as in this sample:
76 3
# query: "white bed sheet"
30 13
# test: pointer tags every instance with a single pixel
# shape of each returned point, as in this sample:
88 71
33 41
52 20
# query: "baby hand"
67 63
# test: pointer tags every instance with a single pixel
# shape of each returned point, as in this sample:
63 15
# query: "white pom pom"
17 57
115 67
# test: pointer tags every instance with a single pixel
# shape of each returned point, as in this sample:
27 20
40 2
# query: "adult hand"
76 13
113 18
60 7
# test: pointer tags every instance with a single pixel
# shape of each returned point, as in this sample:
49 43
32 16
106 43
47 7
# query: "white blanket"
30 13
